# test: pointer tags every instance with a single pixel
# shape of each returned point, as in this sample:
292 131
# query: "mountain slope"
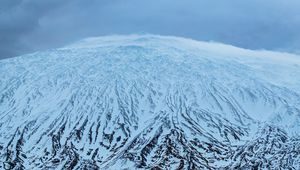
145 101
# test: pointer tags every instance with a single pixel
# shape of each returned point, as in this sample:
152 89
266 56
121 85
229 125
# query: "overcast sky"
31 25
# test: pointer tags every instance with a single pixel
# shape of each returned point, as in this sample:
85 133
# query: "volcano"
150 102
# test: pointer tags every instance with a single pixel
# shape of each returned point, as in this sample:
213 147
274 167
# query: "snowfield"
147 101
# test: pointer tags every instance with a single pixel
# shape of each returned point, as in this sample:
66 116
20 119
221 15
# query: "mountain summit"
150 102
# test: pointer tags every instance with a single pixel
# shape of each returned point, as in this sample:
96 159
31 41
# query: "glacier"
150 102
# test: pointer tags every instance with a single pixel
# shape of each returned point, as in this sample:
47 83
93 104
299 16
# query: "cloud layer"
30 25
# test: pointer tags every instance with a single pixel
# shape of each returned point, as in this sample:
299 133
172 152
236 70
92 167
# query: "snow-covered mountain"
145 101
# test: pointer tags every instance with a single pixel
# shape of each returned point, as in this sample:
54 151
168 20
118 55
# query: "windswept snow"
147 101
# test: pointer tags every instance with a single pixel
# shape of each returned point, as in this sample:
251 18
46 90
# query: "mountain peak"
148 101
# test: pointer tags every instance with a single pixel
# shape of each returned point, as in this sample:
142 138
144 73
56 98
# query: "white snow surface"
126 85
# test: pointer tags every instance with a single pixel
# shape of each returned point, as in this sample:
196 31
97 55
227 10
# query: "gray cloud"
30 25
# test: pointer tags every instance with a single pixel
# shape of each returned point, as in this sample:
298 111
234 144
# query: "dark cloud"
30 25
19 18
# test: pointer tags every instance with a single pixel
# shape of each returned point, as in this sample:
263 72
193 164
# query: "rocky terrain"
150 102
